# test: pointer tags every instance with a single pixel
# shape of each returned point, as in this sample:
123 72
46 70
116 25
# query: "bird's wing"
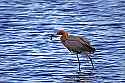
86 45
75 43
72 45
84 40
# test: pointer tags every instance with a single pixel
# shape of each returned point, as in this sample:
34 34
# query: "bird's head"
61 32
64 35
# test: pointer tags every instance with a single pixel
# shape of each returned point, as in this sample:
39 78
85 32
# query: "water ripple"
27 55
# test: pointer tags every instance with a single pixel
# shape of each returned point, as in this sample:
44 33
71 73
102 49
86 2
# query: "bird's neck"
64 36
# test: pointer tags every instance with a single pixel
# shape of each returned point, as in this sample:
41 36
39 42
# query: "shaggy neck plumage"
64 36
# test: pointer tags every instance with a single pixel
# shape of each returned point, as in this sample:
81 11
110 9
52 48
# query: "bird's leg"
91 61
78 61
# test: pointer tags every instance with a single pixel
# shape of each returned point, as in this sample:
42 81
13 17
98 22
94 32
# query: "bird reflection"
79 77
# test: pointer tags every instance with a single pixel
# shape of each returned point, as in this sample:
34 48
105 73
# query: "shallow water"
29 56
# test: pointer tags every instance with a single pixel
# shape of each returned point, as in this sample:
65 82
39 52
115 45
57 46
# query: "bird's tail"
92 50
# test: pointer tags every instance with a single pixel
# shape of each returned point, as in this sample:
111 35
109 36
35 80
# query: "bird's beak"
53 35
57 33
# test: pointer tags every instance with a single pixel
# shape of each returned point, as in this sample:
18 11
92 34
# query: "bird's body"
76 44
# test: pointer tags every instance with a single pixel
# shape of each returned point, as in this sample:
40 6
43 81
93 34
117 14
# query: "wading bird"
76 44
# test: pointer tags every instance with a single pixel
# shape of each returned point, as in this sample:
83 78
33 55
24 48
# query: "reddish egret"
77 45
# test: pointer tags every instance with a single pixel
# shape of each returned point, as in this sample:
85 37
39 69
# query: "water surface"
27 55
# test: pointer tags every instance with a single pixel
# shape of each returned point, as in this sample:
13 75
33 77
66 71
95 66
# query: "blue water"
27 55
